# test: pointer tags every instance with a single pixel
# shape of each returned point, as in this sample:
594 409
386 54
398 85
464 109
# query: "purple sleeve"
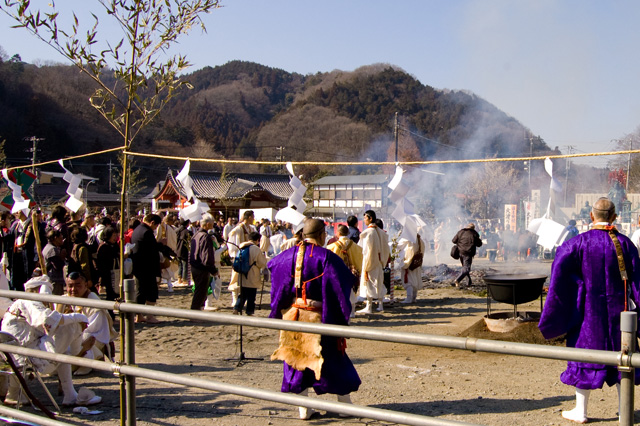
561 312
282 292
337 285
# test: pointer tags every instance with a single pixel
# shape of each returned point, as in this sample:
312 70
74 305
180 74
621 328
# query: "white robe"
375 253
414 278
237 236
37 327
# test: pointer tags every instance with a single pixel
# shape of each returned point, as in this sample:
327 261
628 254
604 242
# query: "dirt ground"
479 388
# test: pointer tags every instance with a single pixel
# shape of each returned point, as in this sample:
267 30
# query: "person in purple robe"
310 283
585 299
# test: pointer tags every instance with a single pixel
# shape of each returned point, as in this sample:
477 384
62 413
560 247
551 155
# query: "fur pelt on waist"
300 350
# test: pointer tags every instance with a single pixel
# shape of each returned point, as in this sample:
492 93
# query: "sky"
569 70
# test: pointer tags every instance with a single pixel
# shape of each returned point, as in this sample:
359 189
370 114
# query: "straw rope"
379 163
325 163
44 163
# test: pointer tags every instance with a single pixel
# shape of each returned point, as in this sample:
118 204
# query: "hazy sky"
569 70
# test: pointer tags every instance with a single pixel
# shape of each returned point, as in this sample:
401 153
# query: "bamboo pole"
35 227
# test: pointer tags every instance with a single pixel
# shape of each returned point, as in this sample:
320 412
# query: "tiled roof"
207 185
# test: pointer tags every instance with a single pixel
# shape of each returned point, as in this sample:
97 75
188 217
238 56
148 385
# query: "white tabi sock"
368 308
347 400
64 374
409 297
579 414
305 412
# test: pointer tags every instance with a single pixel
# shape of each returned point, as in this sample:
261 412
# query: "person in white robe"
232 222
412 278
216 283
239 235
167 235
375 253
36 326
97 337
265 237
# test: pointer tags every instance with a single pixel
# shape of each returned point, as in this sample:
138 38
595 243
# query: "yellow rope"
379 163
327 163
44 163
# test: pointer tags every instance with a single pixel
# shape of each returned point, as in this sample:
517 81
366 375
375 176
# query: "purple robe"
332 287
585 299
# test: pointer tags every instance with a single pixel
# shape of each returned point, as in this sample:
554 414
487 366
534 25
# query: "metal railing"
625 360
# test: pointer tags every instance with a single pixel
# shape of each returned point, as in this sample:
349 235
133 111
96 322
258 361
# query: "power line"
479 151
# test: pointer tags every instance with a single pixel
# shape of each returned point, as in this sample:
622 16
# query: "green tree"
135 180
134 79
133 75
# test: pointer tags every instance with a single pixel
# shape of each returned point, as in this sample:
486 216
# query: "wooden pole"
35 227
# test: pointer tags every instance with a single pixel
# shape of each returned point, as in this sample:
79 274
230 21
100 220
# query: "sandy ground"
448 384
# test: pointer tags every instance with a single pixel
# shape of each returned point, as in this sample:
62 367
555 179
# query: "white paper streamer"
290 215
195 211
297 197
186 181
74 190
554 185
404 212
398 188
19 202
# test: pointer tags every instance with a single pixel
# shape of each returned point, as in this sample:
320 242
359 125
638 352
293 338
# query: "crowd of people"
315 277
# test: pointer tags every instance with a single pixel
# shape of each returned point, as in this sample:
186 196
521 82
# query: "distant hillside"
246 110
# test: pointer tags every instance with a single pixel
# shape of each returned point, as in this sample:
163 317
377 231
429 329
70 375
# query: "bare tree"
488 187
630 163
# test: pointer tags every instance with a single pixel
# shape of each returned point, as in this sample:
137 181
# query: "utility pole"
110 178
395 134
626 188
34 150
566 177
530 155
34 140
280 155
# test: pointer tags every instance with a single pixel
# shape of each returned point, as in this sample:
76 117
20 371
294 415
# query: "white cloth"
96 232
265 239
287 244
375 253
226 231
237 236
276 242
258 261
414 278
168 232
635 238
100 324
37 327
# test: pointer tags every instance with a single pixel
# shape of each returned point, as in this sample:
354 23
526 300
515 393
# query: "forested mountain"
246 110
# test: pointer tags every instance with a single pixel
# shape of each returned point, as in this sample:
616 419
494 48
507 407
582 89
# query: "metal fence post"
628 327
130 353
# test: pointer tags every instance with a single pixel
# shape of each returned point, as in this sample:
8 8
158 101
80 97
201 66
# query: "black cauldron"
514 289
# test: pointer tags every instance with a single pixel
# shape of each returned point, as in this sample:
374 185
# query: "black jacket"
467 240
146 253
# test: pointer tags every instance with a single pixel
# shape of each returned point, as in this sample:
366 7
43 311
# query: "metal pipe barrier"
22 415
356 332
625 360
129 347
628 328
267 395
